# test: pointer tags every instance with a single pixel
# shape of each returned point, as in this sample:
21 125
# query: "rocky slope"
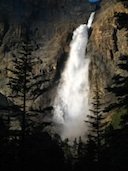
108 42
49 24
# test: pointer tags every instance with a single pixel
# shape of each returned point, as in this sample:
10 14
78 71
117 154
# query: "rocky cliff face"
108 42
49 24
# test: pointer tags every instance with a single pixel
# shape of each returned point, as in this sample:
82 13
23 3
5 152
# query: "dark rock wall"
49 25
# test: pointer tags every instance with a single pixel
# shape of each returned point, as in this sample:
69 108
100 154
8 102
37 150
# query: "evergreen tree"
81 150
115 153
21 79
96 124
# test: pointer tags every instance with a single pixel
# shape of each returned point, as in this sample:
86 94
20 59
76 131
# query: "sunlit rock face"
107 43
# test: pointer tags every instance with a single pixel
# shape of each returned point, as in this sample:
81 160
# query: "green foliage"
119 85
117 118
115 152
119 88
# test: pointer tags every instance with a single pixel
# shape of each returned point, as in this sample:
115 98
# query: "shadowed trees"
90 153
119 88
21 80
96 129
106 146
116 151
36 149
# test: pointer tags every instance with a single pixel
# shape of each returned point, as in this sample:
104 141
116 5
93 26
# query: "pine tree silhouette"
96 124
21 80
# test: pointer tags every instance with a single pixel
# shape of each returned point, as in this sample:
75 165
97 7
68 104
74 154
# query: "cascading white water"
71 103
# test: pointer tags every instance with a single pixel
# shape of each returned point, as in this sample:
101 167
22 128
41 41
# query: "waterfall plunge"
71 103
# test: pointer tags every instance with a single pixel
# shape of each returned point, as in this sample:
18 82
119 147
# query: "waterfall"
71 102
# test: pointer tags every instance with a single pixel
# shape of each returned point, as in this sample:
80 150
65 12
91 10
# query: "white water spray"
71 103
